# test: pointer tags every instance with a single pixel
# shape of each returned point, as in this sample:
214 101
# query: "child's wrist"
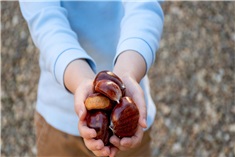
130 64
76 72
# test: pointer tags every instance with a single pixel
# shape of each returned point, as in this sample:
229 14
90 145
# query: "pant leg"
52 142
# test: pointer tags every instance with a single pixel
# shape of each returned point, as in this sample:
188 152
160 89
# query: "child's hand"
131 68
78 80
135 92
127 143
88 134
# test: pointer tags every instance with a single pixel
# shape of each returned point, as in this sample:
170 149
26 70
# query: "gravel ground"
192 80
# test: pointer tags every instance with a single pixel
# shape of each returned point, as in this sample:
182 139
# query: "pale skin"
131 68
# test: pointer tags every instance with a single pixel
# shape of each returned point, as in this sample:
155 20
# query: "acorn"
124 118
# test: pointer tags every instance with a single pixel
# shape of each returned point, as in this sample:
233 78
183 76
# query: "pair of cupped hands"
81 85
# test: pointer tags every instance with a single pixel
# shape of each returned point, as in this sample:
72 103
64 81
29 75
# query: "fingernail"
80 113
145 123
98 147
126 144
92 135
105 152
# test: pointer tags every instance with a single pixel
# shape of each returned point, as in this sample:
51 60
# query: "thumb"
81 112
143 119
79 105
140 103
137 94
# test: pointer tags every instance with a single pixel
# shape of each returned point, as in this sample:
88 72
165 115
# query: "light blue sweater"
97 31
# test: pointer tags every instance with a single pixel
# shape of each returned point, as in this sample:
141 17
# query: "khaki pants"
52 142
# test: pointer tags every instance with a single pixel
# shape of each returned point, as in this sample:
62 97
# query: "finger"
126 142
137 94
135 91
115 141
85 131
80 106
94 145
138 98
105 151
134 141
82 112
113 151
79 98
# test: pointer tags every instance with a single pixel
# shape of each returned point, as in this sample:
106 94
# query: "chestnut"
99 121
98 101
108 75
109 89
124 118
108 111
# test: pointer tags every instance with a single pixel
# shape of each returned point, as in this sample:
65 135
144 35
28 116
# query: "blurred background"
192 80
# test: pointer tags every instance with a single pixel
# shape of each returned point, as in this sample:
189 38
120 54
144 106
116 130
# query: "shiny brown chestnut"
99 121
108 75
98 101
124 118
109 89
107 137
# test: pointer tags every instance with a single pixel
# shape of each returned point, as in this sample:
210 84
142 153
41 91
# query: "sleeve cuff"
139 45
67 57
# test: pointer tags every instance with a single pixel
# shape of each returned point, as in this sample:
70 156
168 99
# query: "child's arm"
63 57
51 32
141 30
78 79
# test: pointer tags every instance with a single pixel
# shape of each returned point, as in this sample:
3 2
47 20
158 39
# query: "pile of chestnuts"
109 110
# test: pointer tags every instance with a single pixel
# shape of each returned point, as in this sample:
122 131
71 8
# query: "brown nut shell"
99 121
98 101
124 118
109 89
108 75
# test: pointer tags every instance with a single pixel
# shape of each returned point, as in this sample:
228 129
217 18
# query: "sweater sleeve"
141 29
52 34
